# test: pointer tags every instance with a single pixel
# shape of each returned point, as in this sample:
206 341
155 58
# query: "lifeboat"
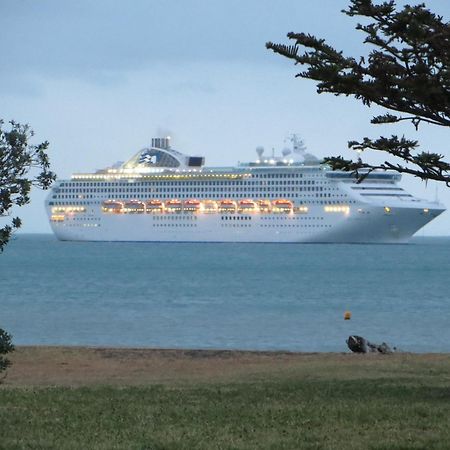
247 206
264 205
283 206
209 206
191 205
134 207
112 207
174 206
154 206
227 206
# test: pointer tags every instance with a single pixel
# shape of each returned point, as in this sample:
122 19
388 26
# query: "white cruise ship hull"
163 195
368 224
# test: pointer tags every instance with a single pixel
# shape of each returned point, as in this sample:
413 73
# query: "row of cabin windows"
290 218
309 201
274 194
284 189
124 183
306 225
307 197
94 188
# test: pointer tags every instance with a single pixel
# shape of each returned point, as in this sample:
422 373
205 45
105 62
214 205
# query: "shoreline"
80 365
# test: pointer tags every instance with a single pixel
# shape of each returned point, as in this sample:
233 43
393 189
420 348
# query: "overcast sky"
99 78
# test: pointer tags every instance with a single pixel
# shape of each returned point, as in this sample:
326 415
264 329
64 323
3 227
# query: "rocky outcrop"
358 344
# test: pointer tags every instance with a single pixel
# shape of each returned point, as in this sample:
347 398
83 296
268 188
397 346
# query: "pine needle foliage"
407 71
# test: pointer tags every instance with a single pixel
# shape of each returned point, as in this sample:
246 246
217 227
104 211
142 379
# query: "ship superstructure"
163 195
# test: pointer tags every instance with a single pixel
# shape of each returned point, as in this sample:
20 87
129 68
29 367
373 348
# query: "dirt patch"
75 366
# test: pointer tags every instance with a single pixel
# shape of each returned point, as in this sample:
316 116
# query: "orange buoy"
347 315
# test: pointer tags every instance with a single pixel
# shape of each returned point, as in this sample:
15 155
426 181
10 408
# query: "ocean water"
229 296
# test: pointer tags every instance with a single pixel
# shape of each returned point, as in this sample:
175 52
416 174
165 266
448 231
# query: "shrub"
6 346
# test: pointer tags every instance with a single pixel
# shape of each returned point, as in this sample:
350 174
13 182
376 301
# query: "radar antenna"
298 145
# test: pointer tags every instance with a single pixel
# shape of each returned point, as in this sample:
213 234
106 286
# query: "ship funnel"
286 151
259 151
161 142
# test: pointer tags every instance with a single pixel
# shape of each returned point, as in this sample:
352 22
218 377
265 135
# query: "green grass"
279 413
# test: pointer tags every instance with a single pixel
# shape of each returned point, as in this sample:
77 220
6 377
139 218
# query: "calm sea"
234 296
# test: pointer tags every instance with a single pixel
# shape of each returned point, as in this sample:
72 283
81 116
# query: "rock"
385 349
358 344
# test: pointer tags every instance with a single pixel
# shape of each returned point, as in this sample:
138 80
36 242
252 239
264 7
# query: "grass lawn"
318 401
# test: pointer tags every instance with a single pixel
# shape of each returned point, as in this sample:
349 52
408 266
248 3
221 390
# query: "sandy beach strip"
78 366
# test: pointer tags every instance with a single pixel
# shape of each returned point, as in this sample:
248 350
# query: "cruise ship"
163 195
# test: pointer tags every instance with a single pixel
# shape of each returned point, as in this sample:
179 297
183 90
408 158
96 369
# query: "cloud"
92 39
99 40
